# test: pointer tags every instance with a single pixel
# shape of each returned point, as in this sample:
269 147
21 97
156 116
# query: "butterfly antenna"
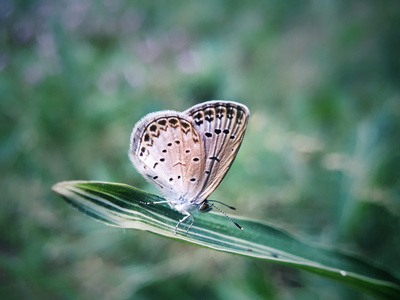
228 206
221 211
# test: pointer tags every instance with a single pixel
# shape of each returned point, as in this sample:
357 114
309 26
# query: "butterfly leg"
191 221
156 202
188 215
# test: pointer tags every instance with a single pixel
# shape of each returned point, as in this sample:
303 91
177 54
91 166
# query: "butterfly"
187 154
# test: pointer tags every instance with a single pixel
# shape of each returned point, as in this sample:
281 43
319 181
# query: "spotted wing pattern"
167 150
188 154
221 126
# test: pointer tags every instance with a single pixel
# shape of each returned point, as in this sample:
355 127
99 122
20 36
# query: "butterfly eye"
205 207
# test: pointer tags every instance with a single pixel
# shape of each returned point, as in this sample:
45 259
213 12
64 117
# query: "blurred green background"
320 157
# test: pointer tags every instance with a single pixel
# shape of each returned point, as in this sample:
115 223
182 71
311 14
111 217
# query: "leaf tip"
57 187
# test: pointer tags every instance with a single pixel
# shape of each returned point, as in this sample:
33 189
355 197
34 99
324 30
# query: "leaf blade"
121 205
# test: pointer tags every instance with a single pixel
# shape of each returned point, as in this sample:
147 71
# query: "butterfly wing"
221 126
168 151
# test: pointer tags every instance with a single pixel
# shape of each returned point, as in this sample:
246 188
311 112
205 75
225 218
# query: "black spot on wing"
214 158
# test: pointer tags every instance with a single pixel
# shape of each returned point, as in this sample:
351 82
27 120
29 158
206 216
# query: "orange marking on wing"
179 163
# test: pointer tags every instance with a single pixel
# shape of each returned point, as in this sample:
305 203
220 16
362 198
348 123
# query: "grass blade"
120 205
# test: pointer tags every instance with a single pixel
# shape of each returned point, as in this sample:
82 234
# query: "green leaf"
122 206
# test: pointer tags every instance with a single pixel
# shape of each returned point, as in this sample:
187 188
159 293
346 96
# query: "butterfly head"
205 206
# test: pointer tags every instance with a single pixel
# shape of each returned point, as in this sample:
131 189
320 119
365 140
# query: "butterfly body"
187 154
